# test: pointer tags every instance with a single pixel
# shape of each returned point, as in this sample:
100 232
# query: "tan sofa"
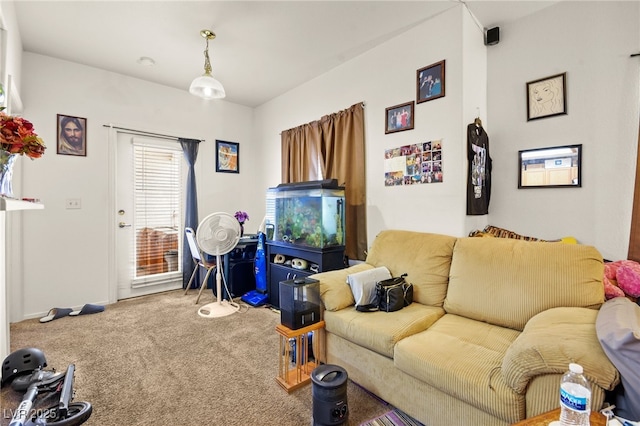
494 325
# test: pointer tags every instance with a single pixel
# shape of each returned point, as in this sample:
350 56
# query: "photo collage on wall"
413 164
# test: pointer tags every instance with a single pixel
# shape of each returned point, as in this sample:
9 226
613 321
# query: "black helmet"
22 361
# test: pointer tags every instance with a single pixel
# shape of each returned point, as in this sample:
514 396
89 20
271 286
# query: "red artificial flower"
17 137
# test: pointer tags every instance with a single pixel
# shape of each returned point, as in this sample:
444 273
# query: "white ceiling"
262 48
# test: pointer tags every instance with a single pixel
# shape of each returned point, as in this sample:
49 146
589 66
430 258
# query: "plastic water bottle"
575 397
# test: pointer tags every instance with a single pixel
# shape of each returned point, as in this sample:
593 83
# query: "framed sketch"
72 135
399 118
227 157
553 167
430 82
547 97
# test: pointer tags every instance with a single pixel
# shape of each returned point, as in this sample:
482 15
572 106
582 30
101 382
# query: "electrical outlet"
73 203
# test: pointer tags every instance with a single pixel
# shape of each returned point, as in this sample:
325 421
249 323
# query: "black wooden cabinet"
326 259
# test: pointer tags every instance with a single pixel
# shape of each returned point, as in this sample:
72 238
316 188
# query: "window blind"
157 199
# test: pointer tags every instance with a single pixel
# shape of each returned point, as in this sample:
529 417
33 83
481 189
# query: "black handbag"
394 294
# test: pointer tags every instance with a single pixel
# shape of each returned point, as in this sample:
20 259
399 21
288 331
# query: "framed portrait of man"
72 135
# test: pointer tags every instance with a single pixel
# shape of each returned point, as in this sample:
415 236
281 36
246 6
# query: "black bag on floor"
394 294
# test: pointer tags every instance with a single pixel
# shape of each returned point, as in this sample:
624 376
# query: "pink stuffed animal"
621 279
610 290
611 268
628 277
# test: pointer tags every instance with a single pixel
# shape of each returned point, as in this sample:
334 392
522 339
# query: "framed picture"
547 97
430 82
399 118
227 157
72 135
553 167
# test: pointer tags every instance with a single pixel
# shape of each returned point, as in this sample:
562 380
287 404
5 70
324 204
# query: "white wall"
66 251
592 43
383 77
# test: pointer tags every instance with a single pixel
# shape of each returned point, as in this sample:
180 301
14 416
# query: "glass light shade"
207 87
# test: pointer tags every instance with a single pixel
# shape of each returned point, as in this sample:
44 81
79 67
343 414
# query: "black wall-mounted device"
492 36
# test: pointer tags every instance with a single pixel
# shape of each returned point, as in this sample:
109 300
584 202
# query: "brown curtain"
634 237
335 144
301 148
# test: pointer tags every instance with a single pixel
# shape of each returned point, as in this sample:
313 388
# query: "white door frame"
112 263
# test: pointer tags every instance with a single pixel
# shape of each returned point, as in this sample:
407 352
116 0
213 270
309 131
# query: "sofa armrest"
550 341
335 293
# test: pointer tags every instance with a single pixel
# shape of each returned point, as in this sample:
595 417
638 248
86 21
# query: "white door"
150 176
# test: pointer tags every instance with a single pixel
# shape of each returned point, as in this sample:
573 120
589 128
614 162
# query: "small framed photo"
430 82
72 135
547 97
227 157
399 118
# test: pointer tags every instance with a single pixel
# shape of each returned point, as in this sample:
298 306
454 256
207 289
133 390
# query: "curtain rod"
358 103
145 133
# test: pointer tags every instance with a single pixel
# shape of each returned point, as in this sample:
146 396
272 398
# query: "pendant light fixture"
206 86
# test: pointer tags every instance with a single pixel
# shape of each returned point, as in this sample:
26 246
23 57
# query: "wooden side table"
596 419
291 378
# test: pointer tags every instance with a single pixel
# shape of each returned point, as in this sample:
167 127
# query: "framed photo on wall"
547 97
430 82
72 135
227 157
399 118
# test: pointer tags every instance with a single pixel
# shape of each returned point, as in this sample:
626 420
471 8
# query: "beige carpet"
154 361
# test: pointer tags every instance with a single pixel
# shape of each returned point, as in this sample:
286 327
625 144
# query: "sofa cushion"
335 293
380 331
506 282
462 358
424 257
553 339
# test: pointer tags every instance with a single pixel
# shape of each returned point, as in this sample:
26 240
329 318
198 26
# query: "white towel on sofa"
363 284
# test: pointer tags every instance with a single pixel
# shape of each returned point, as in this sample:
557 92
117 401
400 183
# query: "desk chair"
198 260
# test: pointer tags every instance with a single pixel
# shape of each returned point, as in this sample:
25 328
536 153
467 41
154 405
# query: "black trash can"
329 395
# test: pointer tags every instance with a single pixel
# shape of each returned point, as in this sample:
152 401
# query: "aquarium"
307 213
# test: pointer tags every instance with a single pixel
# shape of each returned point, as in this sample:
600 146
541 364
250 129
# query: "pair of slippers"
56 313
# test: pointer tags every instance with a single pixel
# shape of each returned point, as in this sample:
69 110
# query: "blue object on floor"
56 313
255 298
88 309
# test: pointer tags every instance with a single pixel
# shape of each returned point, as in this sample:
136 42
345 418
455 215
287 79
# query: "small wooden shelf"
293 377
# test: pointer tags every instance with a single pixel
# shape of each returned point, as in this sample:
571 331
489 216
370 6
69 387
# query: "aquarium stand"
326 259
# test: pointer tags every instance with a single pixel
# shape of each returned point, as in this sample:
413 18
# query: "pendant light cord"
207 62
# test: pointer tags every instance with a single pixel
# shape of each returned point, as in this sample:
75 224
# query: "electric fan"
217 235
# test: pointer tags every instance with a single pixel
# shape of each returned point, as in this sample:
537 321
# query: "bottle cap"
575 368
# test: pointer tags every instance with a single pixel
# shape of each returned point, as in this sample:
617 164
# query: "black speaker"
240 279
492 36
329 392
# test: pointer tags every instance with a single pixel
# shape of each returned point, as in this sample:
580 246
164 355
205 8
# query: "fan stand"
221 307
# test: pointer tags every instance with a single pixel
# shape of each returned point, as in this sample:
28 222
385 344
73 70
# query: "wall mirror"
553 167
